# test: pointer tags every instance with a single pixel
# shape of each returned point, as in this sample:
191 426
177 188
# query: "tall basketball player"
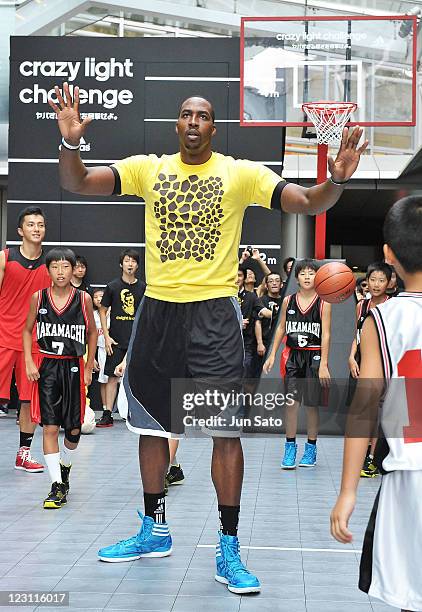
391 371
22 272
194 206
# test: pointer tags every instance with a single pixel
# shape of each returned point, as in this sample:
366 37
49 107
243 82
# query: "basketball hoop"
329 119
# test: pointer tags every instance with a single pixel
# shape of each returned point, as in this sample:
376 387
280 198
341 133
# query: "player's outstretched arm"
319 198
74 175
363 415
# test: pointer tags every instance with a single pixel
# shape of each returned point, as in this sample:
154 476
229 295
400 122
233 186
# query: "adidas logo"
85 146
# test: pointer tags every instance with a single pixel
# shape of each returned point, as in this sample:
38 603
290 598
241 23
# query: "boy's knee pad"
74 438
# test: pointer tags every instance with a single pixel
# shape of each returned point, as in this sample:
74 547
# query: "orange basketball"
334 282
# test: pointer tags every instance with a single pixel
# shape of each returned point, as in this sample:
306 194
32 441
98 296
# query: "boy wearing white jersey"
391 371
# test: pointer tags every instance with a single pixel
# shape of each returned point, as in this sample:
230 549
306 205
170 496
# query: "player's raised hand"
340 515
348 156
67 110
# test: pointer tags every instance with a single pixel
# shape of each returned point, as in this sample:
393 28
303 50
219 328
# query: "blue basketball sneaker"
309 456
230 569
153 540
289 459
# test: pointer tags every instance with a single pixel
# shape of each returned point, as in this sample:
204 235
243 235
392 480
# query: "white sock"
67 454
174 462
104 407
53 463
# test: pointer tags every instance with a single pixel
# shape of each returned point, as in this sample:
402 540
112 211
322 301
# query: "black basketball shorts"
112 361
301 375
199 342
61 392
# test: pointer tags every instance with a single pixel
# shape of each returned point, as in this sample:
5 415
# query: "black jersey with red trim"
22 278
304 327
364 306
62 332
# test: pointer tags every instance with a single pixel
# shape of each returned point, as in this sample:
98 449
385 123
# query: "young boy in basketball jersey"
378 276
390 381
305 321
65 323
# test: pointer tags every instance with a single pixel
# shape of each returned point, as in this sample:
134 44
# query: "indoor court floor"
283 531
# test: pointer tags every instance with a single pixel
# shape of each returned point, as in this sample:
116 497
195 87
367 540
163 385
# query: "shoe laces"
290 451
232 555
142 535
56 488
309 453
25 453
29 459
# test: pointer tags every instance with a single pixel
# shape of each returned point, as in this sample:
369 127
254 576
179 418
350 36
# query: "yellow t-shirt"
193 220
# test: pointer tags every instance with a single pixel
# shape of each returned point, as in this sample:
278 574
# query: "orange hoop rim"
323 106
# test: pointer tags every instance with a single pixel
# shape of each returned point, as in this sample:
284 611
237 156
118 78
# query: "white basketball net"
329 119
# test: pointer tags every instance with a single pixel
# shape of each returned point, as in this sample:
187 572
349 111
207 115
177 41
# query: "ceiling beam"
39 19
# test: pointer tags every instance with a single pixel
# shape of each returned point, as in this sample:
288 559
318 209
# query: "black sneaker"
106 420
175 475
57 496
369 470
65 472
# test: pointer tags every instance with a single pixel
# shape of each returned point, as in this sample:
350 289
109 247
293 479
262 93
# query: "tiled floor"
283 530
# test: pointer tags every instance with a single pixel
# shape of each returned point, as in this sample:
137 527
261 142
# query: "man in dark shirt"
79 277
272 302
252 308
122 296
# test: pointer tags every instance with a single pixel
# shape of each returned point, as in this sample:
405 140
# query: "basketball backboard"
286 61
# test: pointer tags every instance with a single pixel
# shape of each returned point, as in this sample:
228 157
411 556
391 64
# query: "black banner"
133 89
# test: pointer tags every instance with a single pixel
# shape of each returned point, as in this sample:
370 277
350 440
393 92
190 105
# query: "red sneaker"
25 462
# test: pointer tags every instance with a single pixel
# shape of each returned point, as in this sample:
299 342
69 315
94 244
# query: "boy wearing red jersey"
22 272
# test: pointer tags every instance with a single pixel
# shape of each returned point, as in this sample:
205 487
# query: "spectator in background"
395 285
101 352
251 307
287 265
250 280
361 288
251 260
271 300
122 296
79 274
